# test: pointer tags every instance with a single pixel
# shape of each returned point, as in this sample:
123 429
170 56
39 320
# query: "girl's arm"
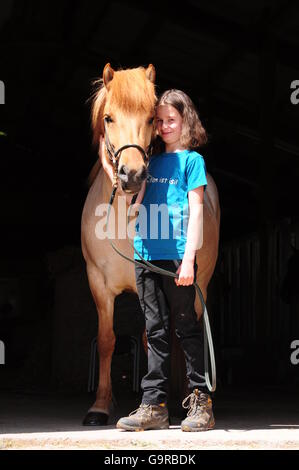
194 237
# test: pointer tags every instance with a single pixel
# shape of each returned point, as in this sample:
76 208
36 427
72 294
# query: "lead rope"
208 341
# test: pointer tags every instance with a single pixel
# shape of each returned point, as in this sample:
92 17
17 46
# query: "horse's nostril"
123 173
123 170
126 175
141 174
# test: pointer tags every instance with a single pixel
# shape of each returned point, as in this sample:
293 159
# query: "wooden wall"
257 318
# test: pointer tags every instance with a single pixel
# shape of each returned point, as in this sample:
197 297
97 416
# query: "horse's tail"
94 171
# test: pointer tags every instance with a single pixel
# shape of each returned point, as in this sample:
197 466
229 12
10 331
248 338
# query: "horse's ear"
151 73
108 73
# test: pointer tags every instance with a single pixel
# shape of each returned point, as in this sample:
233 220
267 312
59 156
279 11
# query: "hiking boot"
200 415
145 417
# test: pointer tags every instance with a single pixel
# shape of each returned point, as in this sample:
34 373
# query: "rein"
208 341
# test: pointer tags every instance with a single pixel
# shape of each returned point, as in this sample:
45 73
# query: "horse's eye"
108 119
151 120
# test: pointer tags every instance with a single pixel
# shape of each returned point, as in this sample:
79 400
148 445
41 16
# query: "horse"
123 112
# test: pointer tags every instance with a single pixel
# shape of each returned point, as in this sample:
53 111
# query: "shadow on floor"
235 409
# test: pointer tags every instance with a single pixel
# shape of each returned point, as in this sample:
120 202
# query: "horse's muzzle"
131 180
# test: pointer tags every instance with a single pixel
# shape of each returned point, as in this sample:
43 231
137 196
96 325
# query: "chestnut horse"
124 108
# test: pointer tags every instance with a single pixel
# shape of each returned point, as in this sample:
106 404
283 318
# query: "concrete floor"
268 419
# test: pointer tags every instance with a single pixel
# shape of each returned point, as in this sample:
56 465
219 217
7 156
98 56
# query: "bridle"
115 155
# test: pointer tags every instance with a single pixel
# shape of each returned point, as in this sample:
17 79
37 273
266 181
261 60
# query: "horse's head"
123 111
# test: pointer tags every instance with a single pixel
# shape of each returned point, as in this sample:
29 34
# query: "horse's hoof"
95 418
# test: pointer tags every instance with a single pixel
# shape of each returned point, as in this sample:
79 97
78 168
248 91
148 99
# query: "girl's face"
169 125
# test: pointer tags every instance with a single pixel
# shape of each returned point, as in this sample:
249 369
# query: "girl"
174 190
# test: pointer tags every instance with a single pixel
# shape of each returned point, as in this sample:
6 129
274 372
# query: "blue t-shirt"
161 226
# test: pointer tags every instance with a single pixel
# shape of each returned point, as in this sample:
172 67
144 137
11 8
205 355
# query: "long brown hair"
193 133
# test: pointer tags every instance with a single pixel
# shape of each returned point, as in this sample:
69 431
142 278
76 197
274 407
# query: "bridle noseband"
114 156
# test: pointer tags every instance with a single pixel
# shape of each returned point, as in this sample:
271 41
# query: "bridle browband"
114 155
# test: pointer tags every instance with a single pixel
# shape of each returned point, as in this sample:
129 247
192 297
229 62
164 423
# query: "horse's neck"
103 186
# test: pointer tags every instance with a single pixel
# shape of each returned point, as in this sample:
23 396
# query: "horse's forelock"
132 92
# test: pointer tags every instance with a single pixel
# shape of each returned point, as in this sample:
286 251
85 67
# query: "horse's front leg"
106 343
99 412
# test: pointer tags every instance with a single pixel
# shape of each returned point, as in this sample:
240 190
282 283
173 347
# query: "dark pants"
158 296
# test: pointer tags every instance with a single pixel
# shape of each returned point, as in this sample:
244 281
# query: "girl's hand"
186 273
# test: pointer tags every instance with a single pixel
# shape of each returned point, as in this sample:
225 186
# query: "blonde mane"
129 91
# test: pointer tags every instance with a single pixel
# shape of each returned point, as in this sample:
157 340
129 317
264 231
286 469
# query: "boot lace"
143 409
193 402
